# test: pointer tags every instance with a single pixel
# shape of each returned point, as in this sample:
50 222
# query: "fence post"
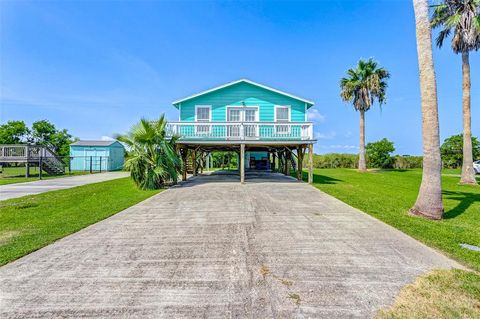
310 163
100 164
91 164
40 167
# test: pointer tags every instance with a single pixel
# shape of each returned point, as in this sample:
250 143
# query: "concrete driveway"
41 186
212 248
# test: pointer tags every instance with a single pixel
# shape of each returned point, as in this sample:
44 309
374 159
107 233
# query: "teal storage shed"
96 156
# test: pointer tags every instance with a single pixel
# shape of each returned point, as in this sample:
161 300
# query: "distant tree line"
224 160
379 155
41 133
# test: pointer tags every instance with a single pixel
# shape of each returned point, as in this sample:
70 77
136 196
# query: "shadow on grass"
389 170
465 200
20 176
321 179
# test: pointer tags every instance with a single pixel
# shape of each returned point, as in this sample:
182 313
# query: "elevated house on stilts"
268 128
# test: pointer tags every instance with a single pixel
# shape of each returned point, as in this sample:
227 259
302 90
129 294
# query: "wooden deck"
36 155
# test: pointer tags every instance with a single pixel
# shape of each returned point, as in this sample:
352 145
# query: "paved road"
212 248
30 188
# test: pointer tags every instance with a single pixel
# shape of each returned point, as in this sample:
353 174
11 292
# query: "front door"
234 115
250 116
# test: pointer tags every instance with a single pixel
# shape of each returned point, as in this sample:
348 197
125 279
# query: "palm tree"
429 201
462 17
153 160
363 85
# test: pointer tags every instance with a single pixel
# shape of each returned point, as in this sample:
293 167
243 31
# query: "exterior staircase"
294 164
35 155
53 166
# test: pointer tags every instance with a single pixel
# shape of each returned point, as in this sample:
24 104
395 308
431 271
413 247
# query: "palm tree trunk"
362 163
468 174
429 201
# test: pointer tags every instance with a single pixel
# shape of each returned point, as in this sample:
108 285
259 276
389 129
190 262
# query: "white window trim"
257 113
203 121
203 106
232 107
289 107
282 106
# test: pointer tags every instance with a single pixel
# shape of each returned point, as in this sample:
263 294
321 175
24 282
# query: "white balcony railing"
241 130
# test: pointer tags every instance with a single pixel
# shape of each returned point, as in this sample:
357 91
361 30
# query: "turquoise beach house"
268 128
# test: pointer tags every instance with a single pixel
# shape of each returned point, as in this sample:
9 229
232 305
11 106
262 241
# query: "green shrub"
405 162
334 160
452 151
379 154
338 160
224 160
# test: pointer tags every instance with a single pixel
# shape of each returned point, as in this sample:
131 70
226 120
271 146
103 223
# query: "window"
282 114
234 115
202 114
250 115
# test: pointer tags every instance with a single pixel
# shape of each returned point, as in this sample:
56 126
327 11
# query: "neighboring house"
96 156
266 126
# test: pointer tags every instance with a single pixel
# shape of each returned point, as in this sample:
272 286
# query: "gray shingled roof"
93 143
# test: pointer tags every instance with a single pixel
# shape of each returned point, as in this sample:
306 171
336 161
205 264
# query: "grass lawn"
387 195
13 175
439 294
32 222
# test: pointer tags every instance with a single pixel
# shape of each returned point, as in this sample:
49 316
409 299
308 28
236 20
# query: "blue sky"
96 67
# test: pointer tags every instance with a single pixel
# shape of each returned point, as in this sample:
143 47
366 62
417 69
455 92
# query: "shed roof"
94 143
310 103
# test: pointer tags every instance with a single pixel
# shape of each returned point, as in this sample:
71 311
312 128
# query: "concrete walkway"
30 188
212 248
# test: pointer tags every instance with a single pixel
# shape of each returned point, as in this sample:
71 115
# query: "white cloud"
338 146
107 138
325 136
315 116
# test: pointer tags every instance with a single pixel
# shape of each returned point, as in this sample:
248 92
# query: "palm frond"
364 85
153 159
462 17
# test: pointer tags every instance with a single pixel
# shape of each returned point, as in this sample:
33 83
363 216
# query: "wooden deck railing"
24 152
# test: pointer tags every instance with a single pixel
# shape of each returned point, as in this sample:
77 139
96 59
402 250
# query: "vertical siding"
243 94
77 160
112 157
117 154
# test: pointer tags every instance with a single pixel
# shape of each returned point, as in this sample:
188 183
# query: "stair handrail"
49 154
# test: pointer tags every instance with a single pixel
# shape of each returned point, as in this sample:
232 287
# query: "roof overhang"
308 102
247 142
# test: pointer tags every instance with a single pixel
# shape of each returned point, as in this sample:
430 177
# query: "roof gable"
308 102
95 143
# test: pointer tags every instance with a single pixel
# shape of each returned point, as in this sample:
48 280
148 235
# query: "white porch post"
242 163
